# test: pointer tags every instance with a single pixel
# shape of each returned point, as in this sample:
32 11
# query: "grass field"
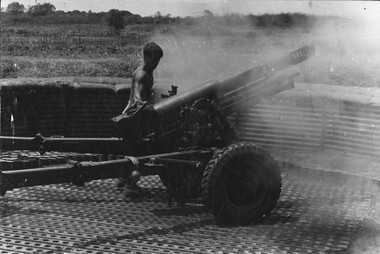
343 57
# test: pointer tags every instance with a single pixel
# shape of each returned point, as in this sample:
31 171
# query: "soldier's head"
152 55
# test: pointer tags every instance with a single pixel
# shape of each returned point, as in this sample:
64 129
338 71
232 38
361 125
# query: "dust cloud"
215 53
348 52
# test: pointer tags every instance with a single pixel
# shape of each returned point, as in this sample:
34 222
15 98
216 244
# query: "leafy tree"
133 19
115 19
76 12
157 15
42 9
125 13
161 19
208 13
15 8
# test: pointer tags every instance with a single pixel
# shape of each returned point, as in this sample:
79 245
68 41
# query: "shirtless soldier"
142 78
142 82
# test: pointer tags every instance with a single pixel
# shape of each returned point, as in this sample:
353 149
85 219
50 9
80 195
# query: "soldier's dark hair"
151 49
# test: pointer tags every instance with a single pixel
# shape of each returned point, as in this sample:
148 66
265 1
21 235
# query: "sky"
368 9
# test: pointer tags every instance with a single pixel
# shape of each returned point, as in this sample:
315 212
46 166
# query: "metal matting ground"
311 217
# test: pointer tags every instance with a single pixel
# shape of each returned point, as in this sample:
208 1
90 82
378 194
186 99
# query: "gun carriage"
189 141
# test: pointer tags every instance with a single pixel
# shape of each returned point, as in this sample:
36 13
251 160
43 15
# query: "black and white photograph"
189 126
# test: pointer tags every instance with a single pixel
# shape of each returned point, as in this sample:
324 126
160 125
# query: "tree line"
46 13
16 8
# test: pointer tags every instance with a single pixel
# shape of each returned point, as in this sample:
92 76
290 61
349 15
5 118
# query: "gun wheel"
241 184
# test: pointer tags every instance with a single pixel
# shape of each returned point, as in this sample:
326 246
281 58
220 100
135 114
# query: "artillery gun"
190 142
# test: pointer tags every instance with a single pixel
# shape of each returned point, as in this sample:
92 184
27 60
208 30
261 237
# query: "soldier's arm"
139 87
132 92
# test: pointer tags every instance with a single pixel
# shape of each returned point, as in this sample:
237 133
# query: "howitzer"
189 141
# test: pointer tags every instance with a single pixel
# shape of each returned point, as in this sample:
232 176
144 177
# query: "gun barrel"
217 90
253 95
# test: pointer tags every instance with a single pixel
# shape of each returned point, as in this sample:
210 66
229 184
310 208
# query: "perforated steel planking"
311 217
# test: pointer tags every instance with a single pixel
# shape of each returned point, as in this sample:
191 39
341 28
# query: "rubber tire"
222 171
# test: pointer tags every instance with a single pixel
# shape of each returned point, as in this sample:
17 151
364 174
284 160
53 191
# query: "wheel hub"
246 185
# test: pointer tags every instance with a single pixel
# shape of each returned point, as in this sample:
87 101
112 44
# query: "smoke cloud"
347 50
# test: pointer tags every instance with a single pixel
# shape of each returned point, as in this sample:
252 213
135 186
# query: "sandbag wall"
316 117
90 108
61 107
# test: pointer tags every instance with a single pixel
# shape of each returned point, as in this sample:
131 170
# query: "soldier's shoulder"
139 73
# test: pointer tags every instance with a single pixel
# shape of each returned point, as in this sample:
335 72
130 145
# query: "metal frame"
80 172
